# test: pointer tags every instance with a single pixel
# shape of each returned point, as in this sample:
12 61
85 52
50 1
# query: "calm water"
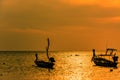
70 65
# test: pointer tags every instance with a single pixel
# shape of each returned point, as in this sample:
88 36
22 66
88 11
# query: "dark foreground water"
70 65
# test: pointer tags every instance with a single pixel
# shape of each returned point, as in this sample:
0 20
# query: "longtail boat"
45 64
109 59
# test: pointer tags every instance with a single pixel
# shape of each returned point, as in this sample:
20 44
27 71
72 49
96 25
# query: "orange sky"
70 24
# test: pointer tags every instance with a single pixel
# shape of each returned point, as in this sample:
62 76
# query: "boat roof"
111 49
109 52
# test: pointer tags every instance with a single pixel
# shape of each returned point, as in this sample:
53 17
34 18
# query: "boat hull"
104 62
44 64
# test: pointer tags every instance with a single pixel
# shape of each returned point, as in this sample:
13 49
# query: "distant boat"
109 59
44 64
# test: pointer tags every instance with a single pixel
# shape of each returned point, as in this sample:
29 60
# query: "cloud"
79 2
45 13
101 3
108 20
75 21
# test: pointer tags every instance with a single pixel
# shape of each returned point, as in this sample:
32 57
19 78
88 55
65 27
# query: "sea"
69 65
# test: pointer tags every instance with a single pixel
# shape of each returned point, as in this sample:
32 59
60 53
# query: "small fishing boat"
44 64
109 59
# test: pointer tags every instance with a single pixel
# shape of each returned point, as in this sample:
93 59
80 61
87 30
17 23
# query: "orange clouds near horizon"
70 24
101 3
108 20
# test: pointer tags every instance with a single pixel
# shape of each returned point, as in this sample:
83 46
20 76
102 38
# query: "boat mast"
94 53
106 47
47 48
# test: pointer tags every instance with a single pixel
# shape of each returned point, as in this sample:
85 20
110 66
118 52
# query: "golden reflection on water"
68 66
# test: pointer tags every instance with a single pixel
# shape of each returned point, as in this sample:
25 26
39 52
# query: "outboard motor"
115 59
51 59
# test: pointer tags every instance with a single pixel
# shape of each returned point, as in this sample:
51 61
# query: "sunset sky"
70 24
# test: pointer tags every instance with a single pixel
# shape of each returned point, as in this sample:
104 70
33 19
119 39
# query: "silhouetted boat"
109 59
44 64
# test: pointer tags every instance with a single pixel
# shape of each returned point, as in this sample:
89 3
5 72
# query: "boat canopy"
110 51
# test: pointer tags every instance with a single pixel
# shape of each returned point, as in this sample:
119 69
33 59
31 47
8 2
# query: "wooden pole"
48 48
93 52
